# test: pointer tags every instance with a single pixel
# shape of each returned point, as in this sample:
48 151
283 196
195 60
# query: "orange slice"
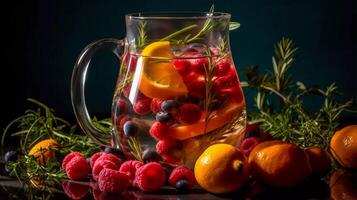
159 77
221 117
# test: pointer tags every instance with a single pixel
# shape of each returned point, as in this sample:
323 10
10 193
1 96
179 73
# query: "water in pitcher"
176 101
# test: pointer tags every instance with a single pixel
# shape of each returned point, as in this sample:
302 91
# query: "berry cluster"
132 107
110 174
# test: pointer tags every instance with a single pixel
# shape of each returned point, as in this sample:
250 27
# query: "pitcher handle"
78 85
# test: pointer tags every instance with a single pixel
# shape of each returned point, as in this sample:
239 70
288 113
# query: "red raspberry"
126 91
248 144
227 81
69 157
222 67
169 158
197 88
130 61
77 168
112 181
122 121
74 190
190 77
164 146
103 164
111 157
159 130
142 105
94 158
234 94
182 66
182 173
150 177
156 105
188 113
121 106
129 168
199 65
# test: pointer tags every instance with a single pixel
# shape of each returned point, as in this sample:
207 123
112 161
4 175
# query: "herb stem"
172 35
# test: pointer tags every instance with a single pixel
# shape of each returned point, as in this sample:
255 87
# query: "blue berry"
11 156
114 151
182 185
130 129
150 155
163 117
169 106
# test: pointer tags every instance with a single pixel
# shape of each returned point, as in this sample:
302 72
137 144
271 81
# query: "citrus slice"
159 77
221 117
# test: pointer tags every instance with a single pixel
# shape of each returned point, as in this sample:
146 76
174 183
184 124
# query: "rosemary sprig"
290 121
36 125
135 147
143 38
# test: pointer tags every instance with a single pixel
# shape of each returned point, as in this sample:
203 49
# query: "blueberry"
169 106
150 155
11 156
182 185
114 151
163 117
131 129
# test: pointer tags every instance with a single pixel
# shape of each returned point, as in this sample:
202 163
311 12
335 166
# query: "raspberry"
129 168
77 168
150 177
199 65
156 105
74 190
197 88
159 131
164 146
94 158
111 157
169 158
226 81
112 181
235 94
190 77
69 157
188 113
222 67
182 66
248 144
126 91
103 164
120 106
182 173
142 105
122 121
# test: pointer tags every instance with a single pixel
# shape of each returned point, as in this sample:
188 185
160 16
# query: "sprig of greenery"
290 121
143 38
208 26
39 124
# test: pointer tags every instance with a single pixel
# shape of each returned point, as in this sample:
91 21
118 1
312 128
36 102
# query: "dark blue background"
43 39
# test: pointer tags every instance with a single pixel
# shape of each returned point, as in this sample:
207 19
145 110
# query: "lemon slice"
159 77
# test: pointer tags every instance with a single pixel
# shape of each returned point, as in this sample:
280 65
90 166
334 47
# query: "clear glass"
177 90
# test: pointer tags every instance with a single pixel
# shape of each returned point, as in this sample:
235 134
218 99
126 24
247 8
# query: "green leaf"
233 25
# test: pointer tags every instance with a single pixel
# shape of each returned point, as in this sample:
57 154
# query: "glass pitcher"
177 91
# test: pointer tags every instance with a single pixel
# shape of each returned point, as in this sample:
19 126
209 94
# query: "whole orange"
343 185
279 163
320 160
343 146
42 150
221 168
